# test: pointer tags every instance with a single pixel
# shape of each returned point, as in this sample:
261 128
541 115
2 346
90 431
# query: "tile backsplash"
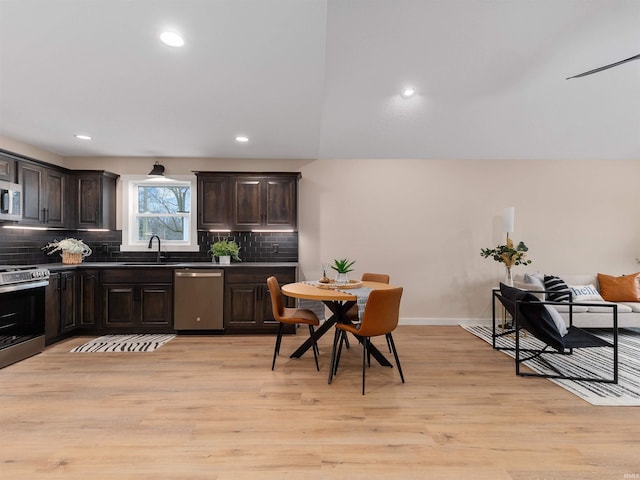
24 247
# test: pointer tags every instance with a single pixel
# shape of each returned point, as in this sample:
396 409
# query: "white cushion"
574 279
621 309
585 293
576 308
634 306
557 319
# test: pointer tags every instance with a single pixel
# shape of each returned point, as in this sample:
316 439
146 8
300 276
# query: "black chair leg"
333 354
276 350
365 341
389 345
315 346
395 354
343 339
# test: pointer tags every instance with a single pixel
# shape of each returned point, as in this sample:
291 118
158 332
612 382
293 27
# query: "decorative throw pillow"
557 319
620 289
585 293
558 291
534 279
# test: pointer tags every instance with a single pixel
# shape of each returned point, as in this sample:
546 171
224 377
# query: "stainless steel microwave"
10 201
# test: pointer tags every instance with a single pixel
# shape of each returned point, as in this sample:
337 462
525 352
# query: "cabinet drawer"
259 275
139 275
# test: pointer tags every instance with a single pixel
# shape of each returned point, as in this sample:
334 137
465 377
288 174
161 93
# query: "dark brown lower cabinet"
247 306
60 305
88 306
138 300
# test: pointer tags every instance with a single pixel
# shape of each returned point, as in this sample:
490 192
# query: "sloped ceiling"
321 78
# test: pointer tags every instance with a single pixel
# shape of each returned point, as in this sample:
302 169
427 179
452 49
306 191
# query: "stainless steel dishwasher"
198 299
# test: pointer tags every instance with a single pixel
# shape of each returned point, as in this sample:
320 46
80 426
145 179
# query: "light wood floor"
211 408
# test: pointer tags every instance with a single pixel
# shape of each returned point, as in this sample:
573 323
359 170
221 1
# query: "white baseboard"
444 321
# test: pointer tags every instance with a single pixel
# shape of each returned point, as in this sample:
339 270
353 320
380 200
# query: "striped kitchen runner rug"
124 343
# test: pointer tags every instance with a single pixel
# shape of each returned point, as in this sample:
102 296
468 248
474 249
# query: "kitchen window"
159 206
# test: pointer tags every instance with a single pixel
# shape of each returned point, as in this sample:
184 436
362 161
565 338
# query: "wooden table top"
311 292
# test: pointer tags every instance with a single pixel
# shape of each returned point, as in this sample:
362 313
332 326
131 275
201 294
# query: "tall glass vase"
508 279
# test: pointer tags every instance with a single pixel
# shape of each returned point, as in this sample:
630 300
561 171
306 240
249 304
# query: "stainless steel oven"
22 311
10 201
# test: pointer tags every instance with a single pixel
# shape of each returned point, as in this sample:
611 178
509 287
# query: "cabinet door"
119 305
7 168
88 299
55 186
43 195
94 199
280 209
241 302
89 201
155 305
67 301
52 310
214 197
248 199
30 177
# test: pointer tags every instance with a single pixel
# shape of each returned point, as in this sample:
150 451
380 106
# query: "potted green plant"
225 250
72 250
343 267
508 255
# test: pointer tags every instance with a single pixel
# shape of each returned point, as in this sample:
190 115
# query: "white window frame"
129 195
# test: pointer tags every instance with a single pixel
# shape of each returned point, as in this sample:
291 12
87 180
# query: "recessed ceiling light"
79 136
242 139
408 92
172 39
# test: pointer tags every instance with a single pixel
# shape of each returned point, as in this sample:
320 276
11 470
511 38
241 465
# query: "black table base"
339 311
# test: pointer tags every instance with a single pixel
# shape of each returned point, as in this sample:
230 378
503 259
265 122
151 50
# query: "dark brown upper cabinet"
7 168
94 199
247 201
44 193
265 202
214 201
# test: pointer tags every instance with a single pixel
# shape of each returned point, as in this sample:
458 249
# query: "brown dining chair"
380 317
353 314
291 316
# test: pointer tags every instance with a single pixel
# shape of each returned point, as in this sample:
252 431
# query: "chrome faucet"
151 241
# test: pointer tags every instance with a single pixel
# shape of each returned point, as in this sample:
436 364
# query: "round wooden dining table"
339 302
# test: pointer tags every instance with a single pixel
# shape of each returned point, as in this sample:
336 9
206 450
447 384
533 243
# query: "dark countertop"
61 266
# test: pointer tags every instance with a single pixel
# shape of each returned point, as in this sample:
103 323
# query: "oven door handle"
23 286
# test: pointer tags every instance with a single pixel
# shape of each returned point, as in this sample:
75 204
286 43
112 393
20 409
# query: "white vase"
225 260
508 279
342 278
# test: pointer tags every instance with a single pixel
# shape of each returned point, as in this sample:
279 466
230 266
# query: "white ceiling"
321 78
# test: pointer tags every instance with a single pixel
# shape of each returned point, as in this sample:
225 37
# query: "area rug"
124 343
625 393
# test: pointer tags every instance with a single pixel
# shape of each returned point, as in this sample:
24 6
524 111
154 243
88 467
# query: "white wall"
425 221
16 146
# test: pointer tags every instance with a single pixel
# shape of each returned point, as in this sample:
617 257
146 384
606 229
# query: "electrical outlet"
105 248
276 247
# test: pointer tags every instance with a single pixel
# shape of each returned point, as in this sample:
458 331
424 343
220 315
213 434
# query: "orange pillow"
620 289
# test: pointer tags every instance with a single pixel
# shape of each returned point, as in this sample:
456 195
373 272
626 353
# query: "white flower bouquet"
73 250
